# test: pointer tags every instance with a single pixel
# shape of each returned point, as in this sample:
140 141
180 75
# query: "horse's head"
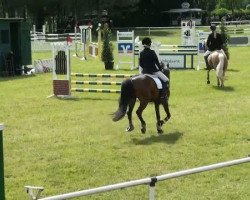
165 70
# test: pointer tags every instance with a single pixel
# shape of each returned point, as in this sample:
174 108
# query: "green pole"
2 193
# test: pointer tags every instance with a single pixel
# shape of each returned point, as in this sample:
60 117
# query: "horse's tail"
220 66
127 92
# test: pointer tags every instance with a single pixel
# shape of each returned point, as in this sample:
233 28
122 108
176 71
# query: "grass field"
69 145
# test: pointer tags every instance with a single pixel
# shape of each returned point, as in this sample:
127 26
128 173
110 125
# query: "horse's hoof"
162 122
159 131
167 118
143 129
130 128
208 82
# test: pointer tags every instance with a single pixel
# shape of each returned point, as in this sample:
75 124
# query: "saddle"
157 81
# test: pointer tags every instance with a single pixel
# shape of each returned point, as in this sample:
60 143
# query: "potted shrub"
107 48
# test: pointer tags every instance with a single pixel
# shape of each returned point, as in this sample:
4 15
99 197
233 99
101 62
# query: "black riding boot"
206 61
165 88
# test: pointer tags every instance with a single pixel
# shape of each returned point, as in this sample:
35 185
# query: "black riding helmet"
146 41
213 27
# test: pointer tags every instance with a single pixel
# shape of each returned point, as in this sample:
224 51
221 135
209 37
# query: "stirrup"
163 97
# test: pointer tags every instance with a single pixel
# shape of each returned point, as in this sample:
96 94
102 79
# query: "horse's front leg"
208 79
222 82
142 106
218 82
159 123
129 113
166 109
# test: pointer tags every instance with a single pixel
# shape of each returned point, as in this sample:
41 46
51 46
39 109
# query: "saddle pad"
155 78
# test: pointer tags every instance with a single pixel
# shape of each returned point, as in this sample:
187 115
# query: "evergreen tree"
107 48
225 37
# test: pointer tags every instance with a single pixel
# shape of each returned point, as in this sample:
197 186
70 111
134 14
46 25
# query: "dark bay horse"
218 60
145 90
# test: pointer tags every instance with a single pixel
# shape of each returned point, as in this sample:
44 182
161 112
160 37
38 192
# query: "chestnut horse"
218 60
145 90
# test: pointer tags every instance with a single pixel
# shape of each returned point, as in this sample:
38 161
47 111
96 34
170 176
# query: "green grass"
69 145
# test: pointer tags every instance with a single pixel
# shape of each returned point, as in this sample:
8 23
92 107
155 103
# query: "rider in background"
150 65
214 42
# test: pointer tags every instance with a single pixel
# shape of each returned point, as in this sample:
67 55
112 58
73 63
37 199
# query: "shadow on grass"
225 88
233 70
13 78
170 138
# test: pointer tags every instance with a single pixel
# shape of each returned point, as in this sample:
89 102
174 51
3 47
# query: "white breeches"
209 52
161 76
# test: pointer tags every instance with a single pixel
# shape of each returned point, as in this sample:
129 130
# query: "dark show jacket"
214 43
148 61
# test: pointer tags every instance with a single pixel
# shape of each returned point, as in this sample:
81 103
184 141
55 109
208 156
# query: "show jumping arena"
69 148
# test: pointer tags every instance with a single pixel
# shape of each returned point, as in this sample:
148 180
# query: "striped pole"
103 75
95 90
2 192
96 83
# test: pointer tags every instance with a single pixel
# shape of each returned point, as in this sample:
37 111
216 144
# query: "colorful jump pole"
2 192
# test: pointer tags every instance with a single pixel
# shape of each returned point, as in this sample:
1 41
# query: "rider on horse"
214 42
150 65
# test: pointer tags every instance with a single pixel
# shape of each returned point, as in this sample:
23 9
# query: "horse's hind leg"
129 113
139 111
218 82
158 118
208 79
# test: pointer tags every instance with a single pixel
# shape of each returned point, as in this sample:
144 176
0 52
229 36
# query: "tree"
107 48
231 5
225 37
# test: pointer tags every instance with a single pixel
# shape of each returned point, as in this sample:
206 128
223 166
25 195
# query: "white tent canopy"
179 14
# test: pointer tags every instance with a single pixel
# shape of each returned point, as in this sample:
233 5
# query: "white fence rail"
151 181
54 37
42 42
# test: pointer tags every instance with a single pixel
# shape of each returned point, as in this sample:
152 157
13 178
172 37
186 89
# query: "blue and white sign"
202 38
125 48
